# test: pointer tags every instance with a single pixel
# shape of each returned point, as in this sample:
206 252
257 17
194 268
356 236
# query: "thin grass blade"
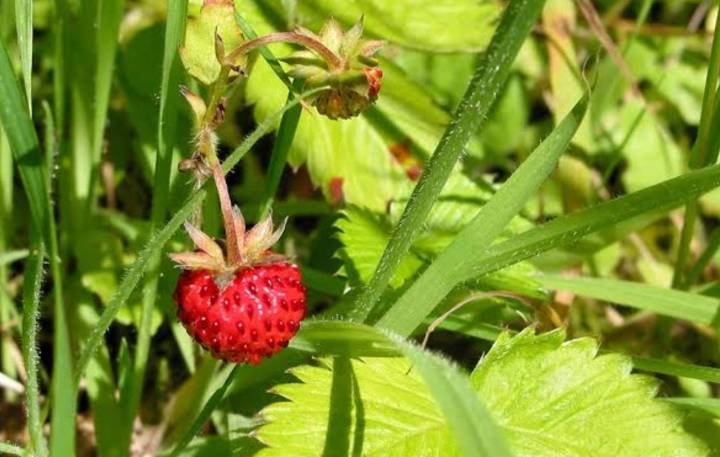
491 71
666 302
447 269
24 25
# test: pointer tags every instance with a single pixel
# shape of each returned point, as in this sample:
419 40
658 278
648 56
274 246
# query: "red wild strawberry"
243 309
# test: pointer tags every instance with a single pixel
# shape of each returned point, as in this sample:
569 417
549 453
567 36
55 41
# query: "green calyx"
354 80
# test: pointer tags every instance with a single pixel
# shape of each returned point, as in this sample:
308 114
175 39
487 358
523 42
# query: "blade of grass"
704 260
132 278
24 25
706 405
492 70
666 302
167 122
469 420
205 412
109 15
11 449
13 256
59 15
559 232
31 313
23 142
63 398
158 240
446 270
698 157
25 147
685 370
6 257
278 157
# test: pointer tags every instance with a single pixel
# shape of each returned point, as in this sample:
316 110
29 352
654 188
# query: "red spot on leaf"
336 190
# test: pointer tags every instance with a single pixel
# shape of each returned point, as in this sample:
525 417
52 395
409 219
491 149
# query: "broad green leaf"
553 398
346 159
369 407
549 398
664 301
651 153
443 75
407 106
440 26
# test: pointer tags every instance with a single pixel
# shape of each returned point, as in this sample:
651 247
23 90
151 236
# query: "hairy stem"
334 61
231 241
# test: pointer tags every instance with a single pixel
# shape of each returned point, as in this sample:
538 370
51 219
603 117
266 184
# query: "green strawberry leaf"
389 411
364 236
554 398
351 159
548 397
347 159
460 25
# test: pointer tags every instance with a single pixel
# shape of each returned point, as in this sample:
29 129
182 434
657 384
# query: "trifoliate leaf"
561 399
376 406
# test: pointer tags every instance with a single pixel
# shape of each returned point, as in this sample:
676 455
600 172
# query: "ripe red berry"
253 317
244 306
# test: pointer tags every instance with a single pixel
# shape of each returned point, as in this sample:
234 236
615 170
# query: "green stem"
490 74
63 404
698 157
31 305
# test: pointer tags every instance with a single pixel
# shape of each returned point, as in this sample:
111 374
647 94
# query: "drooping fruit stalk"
243 303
